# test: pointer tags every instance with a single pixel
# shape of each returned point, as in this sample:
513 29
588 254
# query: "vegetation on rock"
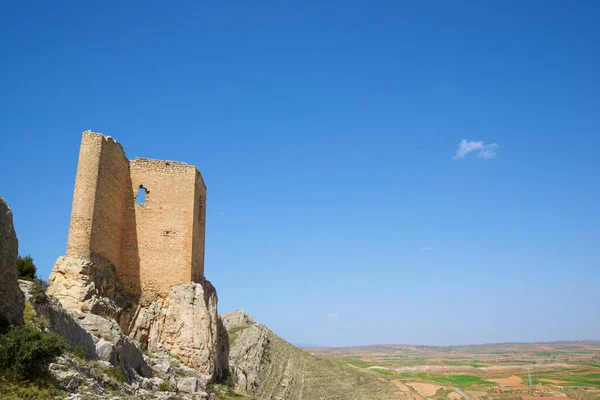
26 351
39 389
116 373
78 352
26 268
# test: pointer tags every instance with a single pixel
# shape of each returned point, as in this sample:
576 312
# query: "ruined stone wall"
199 229
164 224
111 192
154 245
84 197
101 186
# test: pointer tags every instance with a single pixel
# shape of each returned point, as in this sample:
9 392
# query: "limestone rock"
236 318
248 355
113 346
60 321
185 324
188 385
100 338
249 345
188 326
267 367
86 286
11 300
81 379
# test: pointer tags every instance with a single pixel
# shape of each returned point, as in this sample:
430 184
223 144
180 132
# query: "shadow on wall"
129 265
64 324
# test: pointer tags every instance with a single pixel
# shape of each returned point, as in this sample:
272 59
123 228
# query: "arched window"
141 195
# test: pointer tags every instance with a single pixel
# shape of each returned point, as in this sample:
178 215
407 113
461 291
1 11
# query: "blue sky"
340 211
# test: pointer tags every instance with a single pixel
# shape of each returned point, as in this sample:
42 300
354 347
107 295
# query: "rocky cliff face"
189 326
185 325
85 312
156 375
11 298
267 367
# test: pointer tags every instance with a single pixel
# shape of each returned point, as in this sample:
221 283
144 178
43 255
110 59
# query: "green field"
382 371
459 380
572 369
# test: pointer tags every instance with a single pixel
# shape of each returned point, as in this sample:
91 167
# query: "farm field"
490 371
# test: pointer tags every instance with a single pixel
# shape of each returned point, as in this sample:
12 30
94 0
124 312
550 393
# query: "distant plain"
494 371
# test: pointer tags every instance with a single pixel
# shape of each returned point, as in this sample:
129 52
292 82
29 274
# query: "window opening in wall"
141 196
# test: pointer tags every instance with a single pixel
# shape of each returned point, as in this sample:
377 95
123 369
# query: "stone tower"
153 244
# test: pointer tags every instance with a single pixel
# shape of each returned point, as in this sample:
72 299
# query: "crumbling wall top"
99 136
165 166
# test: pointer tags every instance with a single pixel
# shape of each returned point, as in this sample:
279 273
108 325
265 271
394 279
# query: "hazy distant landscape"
502 370
237 200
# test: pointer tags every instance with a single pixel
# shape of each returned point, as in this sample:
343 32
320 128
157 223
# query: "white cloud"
333 316
485 151
572 285
426 248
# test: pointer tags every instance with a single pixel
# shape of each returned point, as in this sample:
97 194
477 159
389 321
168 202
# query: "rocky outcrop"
89 295
58 320
186 325
267 367
236 318
85 286
84 379
248 354
11 300
100 338
107 351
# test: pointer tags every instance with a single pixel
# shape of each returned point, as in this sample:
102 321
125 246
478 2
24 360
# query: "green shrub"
165 387
26 268
39 389
78 352
29 314
38 291
25 351
116 373
230 380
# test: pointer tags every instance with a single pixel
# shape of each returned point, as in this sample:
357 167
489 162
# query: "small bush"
26 268
38 291
29 314
78 352
165 387
230 380
25 351
39 389
116 373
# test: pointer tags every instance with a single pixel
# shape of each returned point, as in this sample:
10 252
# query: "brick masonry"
154 245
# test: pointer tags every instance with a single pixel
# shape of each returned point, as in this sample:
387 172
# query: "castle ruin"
155 243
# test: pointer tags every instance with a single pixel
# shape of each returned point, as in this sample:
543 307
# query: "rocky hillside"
120 347
267 367
175 348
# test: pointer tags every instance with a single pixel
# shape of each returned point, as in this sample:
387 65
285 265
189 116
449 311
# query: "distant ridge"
309 346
